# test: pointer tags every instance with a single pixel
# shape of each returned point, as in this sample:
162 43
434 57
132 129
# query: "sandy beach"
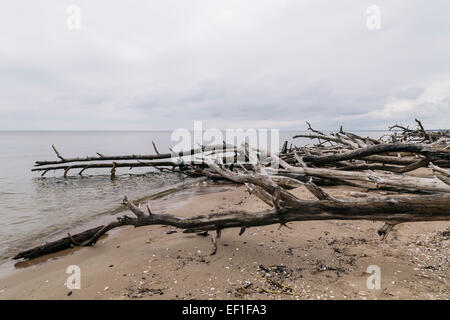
312 260
224 150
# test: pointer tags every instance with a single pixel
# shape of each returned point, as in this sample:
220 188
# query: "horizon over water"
35 209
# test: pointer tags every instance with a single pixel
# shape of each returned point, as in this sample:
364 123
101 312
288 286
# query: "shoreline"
315 259
165 203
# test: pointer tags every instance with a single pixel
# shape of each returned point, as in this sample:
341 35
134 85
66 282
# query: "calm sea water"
35 209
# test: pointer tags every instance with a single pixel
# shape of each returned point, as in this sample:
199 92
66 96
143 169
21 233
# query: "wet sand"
313 260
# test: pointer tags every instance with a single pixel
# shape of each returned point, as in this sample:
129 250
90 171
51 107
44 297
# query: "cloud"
163 64
432 102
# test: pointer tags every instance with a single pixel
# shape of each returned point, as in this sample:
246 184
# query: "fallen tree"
347 159
285 208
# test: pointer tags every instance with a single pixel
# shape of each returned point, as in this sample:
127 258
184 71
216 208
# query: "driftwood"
112 165
286 208
175 158
59 245
342 150
341 158
432 154
441 174
157 156
418 134
76 239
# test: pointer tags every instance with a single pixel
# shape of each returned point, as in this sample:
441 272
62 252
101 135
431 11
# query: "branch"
160 156
427 151
390 209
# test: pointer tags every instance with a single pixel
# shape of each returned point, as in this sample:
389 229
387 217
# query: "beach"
225 150
309 260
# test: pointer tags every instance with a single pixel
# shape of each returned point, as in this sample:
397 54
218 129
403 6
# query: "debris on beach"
380 169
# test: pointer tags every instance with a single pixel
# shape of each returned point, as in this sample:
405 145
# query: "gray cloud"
162 64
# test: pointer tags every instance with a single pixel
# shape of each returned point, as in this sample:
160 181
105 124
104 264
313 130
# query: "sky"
160 65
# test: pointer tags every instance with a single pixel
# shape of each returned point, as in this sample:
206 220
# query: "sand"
313 260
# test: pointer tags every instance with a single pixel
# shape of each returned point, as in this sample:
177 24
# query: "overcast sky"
147 65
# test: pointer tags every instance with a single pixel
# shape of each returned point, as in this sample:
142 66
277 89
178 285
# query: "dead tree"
341 158
285 208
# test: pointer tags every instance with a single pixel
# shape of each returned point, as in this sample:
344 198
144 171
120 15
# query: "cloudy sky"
147 65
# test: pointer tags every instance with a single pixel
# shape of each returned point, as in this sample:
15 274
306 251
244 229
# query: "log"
341 158
286 208
58 245
395 210
112 165
79 238
157 156
429 152
380 179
